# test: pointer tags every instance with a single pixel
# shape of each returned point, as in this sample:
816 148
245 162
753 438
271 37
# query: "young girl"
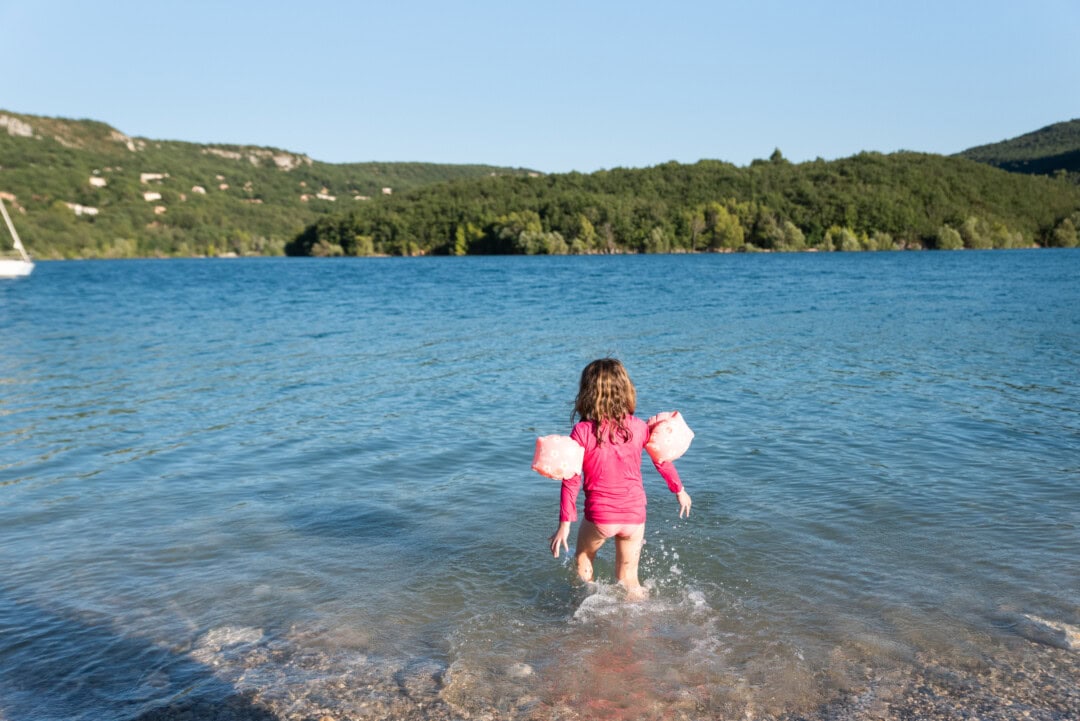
613 438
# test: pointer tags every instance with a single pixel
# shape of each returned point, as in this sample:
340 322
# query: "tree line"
866 202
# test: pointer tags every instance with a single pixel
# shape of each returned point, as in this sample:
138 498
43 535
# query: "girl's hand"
559 538
684 503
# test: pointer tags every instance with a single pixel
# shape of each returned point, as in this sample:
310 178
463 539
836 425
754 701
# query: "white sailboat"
14 267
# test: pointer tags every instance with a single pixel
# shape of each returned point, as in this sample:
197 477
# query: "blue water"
302 486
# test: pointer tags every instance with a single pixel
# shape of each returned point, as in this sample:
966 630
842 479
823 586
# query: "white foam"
1052 633
697 599
605 601
610 600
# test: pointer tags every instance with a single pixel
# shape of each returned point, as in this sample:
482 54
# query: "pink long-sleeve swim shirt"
611 474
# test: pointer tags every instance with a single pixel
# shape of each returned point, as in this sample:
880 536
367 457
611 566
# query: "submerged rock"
421 679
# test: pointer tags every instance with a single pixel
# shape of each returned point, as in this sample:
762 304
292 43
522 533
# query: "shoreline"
722 251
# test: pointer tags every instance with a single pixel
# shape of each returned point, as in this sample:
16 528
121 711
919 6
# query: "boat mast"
18 243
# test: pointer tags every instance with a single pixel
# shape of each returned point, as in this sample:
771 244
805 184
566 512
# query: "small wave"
1053 633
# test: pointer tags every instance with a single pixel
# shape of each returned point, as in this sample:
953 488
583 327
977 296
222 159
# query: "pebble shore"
279 681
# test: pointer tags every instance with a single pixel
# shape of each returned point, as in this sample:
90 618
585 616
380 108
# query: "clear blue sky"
552 85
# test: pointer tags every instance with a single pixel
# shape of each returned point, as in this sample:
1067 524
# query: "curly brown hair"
605 395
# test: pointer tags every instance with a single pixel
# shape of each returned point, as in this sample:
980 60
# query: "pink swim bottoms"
620 530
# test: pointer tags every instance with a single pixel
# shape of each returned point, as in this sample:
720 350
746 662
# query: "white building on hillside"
82 209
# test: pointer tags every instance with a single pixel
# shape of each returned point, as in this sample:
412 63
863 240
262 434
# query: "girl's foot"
636 593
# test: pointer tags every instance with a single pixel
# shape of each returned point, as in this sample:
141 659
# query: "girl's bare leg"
589 541
627 556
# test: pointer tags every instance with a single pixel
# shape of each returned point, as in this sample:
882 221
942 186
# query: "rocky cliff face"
259 156
16 127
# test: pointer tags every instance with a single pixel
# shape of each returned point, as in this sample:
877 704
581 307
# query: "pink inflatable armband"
558 457
669 436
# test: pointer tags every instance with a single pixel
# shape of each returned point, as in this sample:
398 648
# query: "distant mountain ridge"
1049 150
85 189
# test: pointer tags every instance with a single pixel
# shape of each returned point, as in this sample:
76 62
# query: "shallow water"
292 488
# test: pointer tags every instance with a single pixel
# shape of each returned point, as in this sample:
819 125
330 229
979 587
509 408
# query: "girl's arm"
668 473
666 469
567 514
568 498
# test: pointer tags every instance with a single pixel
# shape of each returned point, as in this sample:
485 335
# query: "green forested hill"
1050 150
84 189
81 188
867 202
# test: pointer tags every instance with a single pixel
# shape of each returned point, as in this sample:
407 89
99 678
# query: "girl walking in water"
613 439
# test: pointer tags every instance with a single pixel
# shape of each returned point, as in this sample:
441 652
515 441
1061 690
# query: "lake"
299 488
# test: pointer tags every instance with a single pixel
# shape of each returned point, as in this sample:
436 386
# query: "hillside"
81 188
867 202
1053 149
